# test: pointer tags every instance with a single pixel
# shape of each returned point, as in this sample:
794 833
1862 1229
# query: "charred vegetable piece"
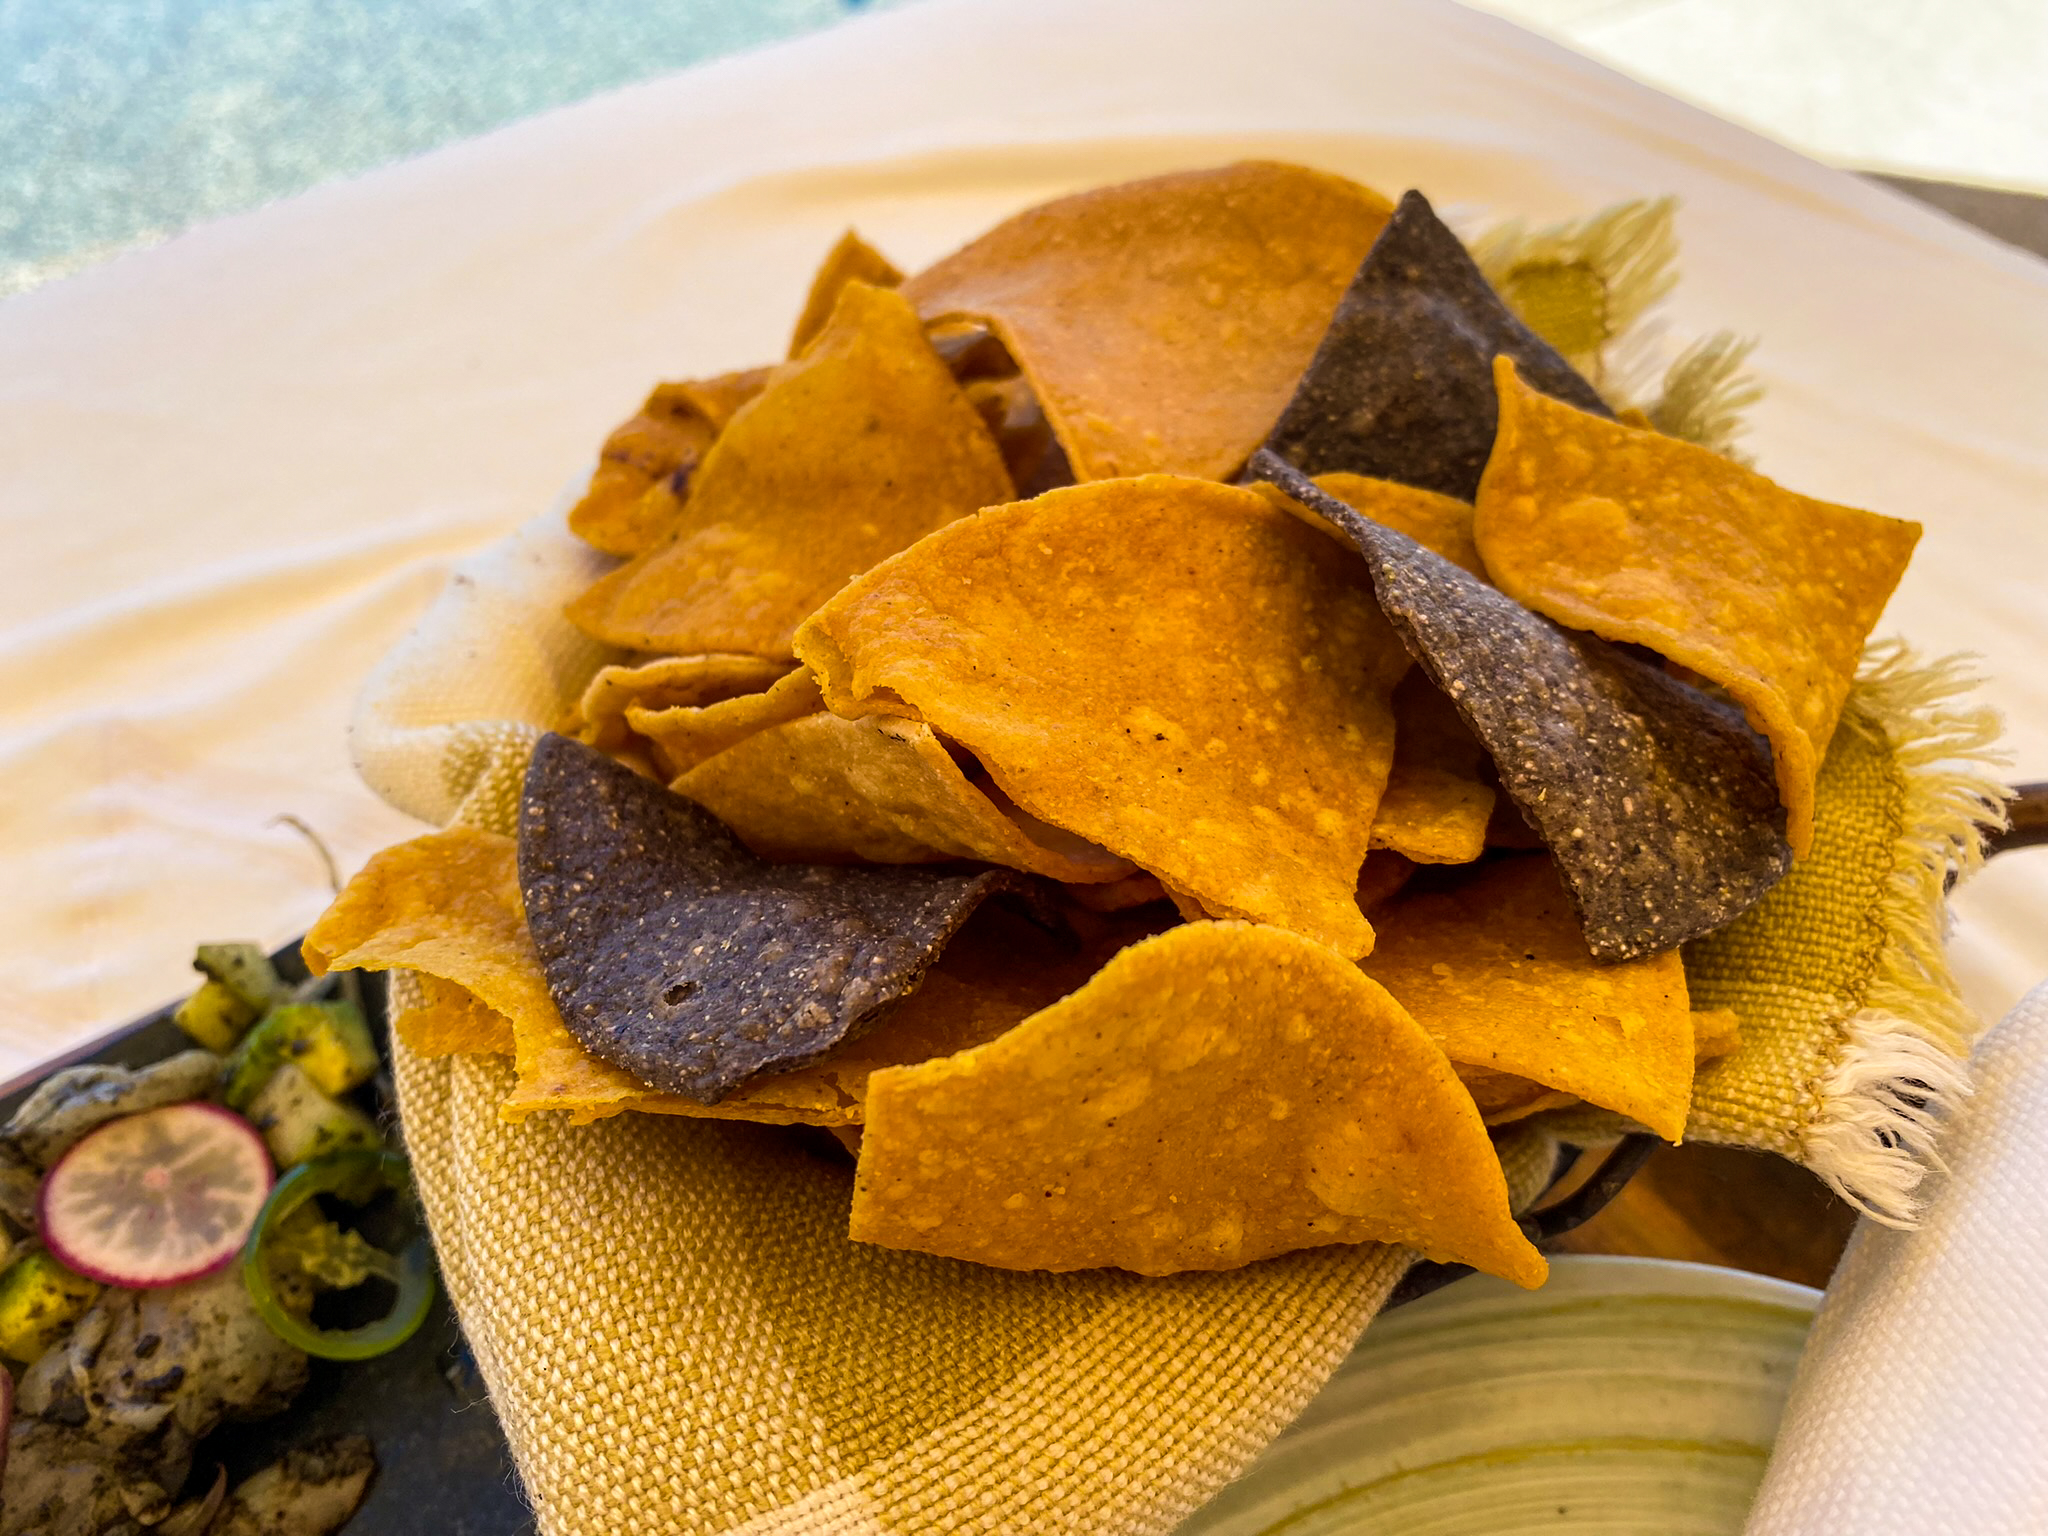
215 1016
311 1492
39 1301
329 1042
77 1100
356 1178
300 1123
156 1199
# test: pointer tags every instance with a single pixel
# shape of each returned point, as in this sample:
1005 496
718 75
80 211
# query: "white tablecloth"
234 468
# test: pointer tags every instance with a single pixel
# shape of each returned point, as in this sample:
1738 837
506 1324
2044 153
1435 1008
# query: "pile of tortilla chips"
1158 732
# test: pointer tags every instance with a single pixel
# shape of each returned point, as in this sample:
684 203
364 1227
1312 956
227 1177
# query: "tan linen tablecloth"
233 469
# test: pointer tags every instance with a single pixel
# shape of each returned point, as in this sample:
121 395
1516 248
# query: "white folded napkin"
1921 1404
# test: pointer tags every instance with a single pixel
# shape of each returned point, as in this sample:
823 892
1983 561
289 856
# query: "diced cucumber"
39 1301
241 986
329 1042
215 1016
300 1123
245 970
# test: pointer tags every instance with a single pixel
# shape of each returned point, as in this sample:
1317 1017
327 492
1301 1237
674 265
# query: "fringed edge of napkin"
1902 1067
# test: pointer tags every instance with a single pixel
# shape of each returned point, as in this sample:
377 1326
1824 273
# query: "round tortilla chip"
1171 668
1218 1094
869 424
1163 323
1648 540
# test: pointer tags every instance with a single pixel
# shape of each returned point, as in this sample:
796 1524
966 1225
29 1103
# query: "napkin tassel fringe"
1902 1067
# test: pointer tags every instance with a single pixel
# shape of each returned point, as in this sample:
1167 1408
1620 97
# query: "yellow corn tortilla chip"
854 451
1163 323
1441 523
1493 966
825 789
643 471
1651 541
450 1021
667 682
1716 1032
444 905
680 736
998 970
1173 669
1217 1094
1438 803
1502 1098
851 260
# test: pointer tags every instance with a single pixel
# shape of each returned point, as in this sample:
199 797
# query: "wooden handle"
2029 825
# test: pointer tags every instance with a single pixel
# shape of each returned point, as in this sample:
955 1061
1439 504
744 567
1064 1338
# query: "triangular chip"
680 736
828 789
678 956
999 969
1216 1095
1493 967
857 449
1438 803
851 260
643 471
1163 322
445 905
1647 540
1402 386
1503 1098
449 1020
1716 1032
1171 668
1441 523
667 682
1656 800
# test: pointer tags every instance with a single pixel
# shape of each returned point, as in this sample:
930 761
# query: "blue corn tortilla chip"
1656 800
678 956
1401 387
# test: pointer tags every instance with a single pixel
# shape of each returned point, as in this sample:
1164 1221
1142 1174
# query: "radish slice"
158 1198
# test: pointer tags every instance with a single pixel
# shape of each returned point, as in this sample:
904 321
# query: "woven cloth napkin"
1921 1404
679 1336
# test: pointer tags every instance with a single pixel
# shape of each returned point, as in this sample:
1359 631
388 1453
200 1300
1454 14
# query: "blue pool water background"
124 121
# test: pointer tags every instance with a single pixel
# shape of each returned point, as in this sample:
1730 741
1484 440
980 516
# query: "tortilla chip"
1000 969
1136 890
445 905
1493 967
1031 453
644 469
1502 1098
1651 541
1655 800
667 682
1441 523
1163 323
826 789
681 736
855 450
1216 1095
1171 668
1438 803
1402 386
851 260
450 1020
1716 1032
679 957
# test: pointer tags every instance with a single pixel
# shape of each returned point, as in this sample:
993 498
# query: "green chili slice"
356 1177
